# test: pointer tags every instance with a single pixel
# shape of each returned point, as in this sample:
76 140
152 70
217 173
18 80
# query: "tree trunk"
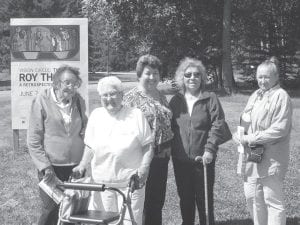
227 73
107 59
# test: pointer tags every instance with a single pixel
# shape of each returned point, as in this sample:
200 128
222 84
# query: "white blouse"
65 110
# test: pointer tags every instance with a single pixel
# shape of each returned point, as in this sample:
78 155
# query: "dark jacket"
203 131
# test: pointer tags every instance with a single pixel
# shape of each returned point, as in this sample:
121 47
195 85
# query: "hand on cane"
207 157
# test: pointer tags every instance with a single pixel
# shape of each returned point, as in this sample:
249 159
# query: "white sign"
38 47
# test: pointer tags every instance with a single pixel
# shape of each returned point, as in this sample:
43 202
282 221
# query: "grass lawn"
19 203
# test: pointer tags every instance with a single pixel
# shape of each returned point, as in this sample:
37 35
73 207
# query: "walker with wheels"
102 217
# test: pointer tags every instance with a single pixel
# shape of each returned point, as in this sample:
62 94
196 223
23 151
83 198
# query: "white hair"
110 81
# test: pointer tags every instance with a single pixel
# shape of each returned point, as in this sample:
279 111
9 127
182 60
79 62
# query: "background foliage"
122 30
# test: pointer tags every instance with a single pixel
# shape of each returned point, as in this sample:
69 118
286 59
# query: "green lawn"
19 202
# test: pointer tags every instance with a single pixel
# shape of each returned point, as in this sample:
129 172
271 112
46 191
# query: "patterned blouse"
156 112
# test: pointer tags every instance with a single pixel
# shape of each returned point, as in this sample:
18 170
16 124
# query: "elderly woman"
267 120
155 107
55 134
199 128
118 140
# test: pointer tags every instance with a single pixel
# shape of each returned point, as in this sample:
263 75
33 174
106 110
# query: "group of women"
137 132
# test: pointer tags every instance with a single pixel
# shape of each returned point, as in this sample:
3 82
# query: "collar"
202 95
261 93
52 93
141 93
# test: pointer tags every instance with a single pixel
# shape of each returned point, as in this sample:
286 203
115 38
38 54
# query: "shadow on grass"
290 221
94 77
5 83
248 90
235 222
294 93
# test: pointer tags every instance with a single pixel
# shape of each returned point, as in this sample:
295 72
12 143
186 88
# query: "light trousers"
265 200
111 201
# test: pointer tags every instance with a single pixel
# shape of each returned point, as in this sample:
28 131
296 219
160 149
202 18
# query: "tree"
226 41
171 29
275 31
107 49
31 9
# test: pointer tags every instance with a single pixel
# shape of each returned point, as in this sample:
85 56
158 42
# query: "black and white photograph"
135 112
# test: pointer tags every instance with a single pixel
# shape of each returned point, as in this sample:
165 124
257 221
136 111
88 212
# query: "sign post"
39 46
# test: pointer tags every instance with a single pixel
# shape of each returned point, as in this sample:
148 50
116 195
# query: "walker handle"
133 182
82 186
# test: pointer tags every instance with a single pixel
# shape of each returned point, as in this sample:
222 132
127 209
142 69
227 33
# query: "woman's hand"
142 175
165 153
240 140
49 175
207 157
78 171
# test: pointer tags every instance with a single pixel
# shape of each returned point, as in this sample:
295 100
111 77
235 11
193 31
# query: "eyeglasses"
111 95
70 83
195 74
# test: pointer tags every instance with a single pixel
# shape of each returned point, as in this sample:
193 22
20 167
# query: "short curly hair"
57 75
186 63
147 60
110 81
272 64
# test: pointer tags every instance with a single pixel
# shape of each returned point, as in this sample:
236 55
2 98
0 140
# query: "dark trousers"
189 178
49 209
156 191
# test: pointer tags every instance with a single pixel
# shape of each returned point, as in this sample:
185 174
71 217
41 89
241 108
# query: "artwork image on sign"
45 42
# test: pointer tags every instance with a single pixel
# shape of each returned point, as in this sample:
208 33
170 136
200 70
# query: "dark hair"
57 75
147 60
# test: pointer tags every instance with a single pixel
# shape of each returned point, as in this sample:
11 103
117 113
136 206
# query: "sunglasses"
195 74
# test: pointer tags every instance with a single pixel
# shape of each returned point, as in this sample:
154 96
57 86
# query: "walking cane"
199 159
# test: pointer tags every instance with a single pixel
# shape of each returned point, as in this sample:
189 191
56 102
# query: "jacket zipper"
190 136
